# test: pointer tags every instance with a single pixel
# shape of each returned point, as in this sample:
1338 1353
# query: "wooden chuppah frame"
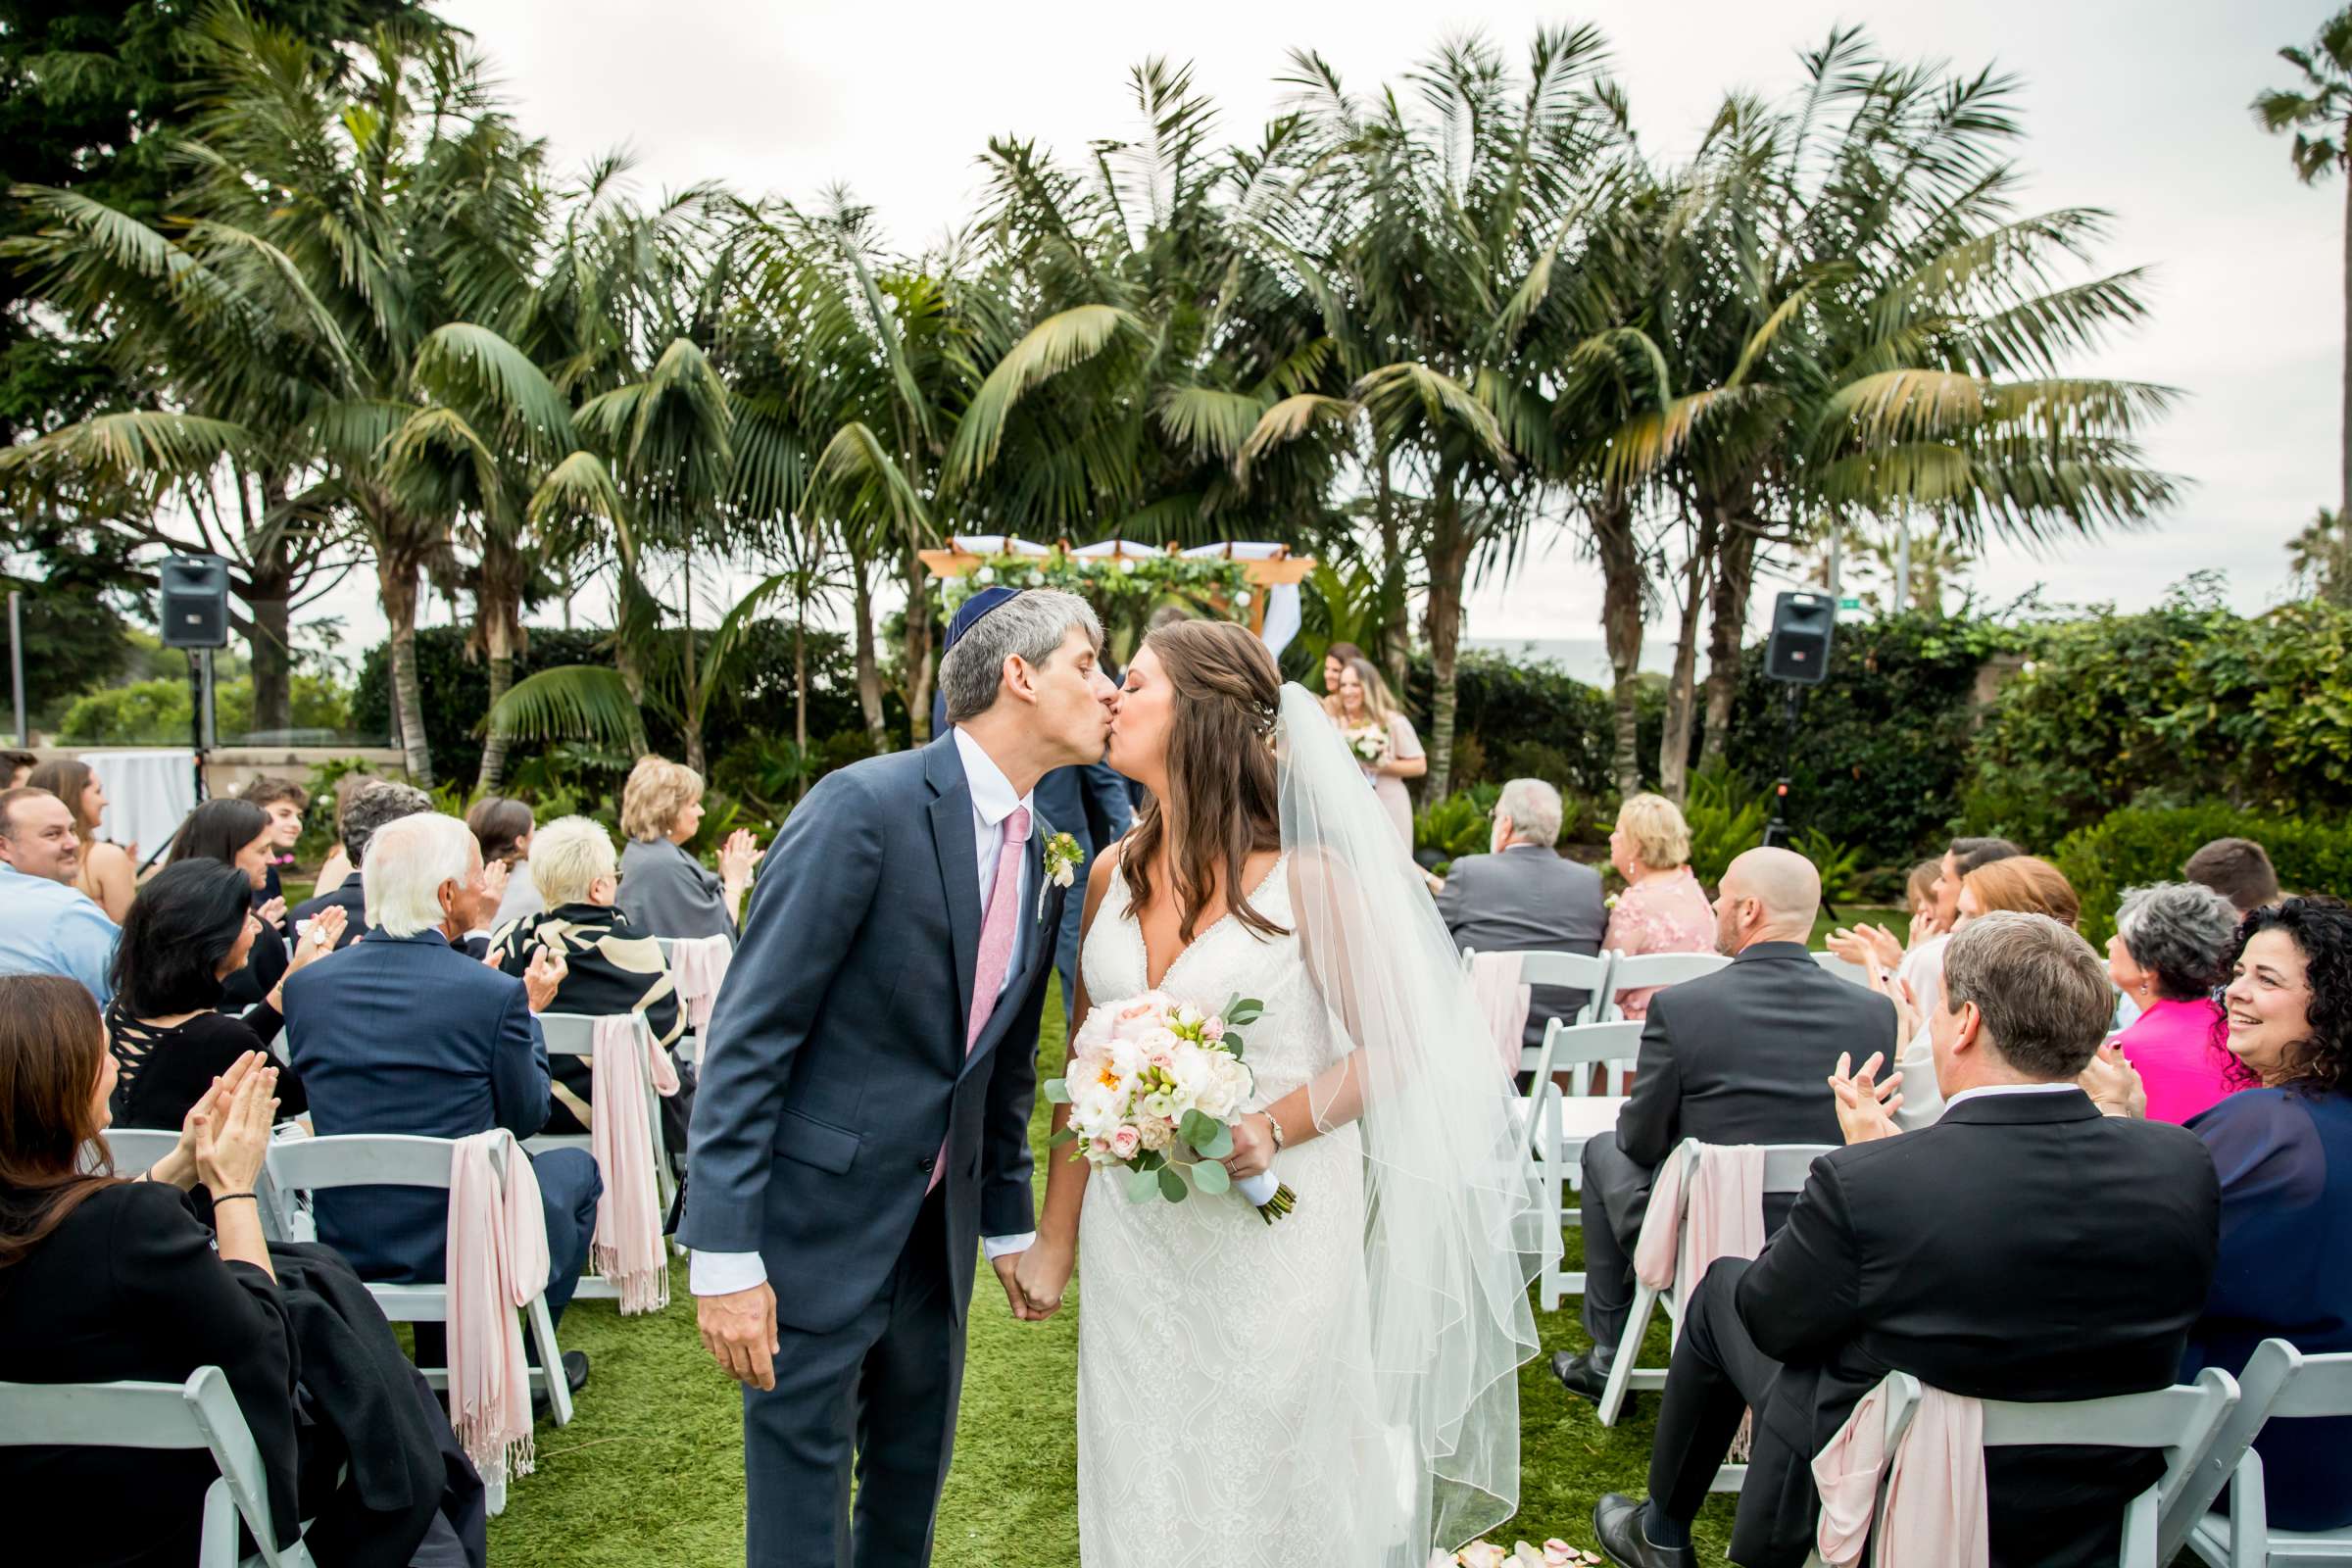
1281 568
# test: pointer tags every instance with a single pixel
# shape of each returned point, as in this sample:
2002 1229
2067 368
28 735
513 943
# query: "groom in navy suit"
868 1082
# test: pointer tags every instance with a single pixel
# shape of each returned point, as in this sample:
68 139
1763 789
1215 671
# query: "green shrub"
156 712
1509 708
1462 823
2138 845
1727 817
2182 704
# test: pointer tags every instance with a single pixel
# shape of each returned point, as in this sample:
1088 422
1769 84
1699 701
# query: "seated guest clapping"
377 803
189 929
610 966
402 1033
104 1280
666 891
1663 908
239 833
504 827
2284 1147
1920 964
1525 896
2024 1248
1737 1057
2169 953
47 924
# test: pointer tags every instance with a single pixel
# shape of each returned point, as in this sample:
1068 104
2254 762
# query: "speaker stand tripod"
199 688
1793 703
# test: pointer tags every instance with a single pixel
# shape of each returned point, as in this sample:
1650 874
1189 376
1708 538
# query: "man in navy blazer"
403 1033
867 1083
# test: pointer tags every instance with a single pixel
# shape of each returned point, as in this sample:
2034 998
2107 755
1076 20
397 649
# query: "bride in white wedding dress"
1339 1386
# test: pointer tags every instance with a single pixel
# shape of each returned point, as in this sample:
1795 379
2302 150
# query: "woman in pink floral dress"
1663 908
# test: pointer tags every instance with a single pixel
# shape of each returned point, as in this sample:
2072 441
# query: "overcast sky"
2136 107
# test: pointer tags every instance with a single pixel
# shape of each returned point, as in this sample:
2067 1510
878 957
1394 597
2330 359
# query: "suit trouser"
1615 1195
881 1390
1716 1374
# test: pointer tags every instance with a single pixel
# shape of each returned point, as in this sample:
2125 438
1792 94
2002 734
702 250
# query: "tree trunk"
2344 446
1396 639
1449 566
272 656
396 578
1621 627
692 716
1734 585
799 693
1674 745
497 619
862 649
917 650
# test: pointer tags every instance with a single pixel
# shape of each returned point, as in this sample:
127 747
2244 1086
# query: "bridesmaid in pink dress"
1663 908
2168 952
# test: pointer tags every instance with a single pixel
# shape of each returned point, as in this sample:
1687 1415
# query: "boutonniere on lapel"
1063 857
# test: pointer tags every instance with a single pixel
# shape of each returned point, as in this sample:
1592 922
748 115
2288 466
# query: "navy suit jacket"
835 1064
409 1035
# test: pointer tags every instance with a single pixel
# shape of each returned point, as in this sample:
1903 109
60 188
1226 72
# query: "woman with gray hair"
2169 952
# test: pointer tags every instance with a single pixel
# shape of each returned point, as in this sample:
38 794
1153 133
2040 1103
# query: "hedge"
755 699
2138 845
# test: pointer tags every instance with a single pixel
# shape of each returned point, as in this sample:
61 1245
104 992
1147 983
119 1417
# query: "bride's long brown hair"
1223 804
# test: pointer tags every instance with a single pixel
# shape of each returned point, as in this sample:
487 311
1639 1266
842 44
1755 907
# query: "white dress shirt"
1987 1090
992 800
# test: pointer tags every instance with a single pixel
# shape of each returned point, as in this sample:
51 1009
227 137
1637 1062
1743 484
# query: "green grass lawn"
651 1468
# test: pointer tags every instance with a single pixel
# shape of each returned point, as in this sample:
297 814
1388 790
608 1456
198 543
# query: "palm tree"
2319 114
2321 559
335 224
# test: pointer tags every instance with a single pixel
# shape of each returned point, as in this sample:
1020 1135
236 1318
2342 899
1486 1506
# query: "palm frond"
140 447
1056 343
1209 421
1286 421
465 363
570 703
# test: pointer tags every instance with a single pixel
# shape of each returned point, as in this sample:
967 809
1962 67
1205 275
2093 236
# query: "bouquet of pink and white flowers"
1369 743
1152 1086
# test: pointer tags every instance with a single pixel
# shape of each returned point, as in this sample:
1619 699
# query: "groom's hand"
739 1330
1005 1267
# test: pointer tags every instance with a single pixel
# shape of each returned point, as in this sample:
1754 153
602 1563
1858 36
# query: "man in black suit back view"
2023 1247
1737 1057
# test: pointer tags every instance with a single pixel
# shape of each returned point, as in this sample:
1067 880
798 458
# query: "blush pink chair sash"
1723 1218
497 1262
1935 1497
627 1245
1502 1001
697 966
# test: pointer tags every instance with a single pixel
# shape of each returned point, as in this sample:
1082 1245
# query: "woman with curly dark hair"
2284 1147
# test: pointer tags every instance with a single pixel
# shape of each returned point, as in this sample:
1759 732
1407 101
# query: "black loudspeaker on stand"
192 612
1797 657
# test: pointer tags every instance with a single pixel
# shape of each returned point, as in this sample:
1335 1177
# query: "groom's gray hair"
1033 624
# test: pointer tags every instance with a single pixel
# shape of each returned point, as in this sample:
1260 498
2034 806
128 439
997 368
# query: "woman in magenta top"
1663 908
2168 953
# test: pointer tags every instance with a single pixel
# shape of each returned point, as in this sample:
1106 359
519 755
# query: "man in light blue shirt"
47 925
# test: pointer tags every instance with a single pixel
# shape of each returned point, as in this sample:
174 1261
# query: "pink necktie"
996 930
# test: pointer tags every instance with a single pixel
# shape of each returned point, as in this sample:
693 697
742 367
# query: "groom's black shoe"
1617 1520
1586 1374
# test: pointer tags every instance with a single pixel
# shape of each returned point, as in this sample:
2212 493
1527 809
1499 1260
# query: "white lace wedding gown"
1224 1386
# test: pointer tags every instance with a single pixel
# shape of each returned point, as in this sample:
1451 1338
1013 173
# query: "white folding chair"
200 1413
2180 1420
137 1148
397 1160
1830 963
1636 971
1785 1169
573 1034
1535 1115
1577 1117
2279 1382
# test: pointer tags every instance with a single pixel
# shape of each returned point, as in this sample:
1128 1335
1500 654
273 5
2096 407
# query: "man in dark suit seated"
2023 1247
1737 1057
384 802
406 1034
1525 897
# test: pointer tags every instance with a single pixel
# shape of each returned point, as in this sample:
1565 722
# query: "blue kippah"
970 612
